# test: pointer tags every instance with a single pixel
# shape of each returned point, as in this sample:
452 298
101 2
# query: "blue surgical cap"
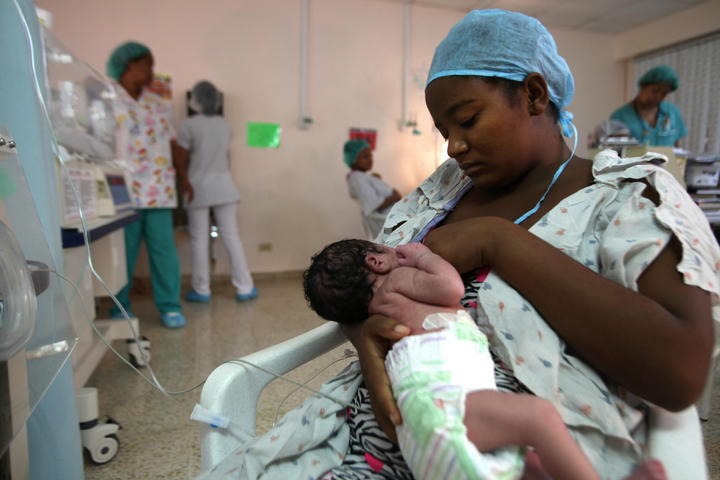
660 74
122 55
510 45
352 149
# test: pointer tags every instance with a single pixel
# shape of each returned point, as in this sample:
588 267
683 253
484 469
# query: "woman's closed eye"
469 122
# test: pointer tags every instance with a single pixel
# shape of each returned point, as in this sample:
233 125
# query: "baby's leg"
649 470
494 419
433 438
533 468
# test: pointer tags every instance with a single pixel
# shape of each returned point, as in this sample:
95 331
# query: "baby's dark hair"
338 283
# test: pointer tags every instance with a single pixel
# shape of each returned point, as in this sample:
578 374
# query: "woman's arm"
389 201
181 160
656 342
372 340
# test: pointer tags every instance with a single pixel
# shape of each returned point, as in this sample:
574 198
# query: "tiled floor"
158 441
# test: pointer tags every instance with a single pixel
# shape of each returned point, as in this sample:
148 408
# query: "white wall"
598 76
295 197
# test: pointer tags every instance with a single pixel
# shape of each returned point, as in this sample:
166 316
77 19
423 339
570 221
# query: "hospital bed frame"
232 390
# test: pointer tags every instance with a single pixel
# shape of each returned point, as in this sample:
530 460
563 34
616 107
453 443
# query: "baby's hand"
409 254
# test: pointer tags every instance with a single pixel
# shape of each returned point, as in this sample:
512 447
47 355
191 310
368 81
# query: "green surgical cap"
660 74
352 149
122 55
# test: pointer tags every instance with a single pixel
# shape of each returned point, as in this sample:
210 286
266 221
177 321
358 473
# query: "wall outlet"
265 247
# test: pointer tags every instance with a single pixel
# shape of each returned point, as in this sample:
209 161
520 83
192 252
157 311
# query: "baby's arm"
433 281
497 419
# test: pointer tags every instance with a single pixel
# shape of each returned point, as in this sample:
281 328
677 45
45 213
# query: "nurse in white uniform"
374 196
204 169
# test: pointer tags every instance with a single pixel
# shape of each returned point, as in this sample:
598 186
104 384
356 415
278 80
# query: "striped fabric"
368 441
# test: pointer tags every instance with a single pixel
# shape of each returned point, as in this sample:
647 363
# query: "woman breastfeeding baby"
602 289
594 282
442 375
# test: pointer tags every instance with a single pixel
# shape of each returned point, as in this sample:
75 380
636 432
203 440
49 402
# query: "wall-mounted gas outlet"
265 247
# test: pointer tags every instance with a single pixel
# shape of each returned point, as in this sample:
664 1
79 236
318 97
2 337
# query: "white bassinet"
232 391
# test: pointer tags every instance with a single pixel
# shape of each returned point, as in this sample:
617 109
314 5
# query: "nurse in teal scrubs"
650 119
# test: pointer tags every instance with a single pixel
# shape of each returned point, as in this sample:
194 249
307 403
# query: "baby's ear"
376 263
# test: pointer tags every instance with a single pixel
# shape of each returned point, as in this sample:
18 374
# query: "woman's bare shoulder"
577 176
580 170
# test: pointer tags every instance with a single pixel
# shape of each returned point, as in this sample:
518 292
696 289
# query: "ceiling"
598 16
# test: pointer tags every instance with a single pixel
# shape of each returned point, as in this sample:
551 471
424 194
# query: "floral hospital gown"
144 133
608 226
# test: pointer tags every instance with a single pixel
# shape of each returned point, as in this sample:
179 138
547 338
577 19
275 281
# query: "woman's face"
652 94
488 133
363 161
141 70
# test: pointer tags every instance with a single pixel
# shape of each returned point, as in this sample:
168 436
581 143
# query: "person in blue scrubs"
650 119
144 144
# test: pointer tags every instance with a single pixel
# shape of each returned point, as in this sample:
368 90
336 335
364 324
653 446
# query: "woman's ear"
376 263
537 92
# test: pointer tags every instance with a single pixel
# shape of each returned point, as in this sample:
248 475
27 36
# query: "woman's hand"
469 244
187 190
377 335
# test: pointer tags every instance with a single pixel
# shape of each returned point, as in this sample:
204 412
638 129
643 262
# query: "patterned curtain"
697 64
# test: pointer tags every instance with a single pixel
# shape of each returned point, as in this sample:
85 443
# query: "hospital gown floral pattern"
612 229
143 146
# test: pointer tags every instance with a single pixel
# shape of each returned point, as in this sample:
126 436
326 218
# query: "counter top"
97 228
